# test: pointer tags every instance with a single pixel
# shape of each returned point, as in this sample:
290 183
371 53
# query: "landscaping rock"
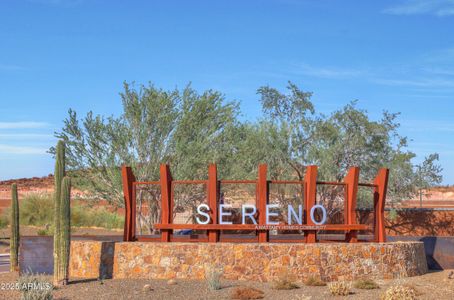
147 288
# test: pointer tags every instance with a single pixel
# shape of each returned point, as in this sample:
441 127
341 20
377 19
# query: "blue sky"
60 54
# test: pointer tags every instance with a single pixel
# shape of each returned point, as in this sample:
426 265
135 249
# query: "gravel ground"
435 285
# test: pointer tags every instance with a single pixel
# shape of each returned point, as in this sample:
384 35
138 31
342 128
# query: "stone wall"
35 254
258 262
421 222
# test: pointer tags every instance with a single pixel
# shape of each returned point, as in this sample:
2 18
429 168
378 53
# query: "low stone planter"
247 261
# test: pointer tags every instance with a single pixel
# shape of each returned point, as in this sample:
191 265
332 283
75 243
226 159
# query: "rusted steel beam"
166 201
367 184
238 240
146 182
238 181
213 192
351 191
283 241
189 181
310 179
130 215
188 239
262 197
381 182
262 190
331 183
329 227
133 213
286 182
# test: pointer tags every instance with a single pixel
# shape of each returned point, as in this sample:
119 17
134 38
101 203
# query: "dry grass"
284 285
435 286
417 292
213 277
339 288
285 282
35 287
366 284
245 293
399 292
314 281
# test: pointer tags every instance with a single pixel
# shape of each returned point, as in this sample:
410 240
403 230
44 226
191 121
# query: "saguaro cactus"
14 240
65 232
61 215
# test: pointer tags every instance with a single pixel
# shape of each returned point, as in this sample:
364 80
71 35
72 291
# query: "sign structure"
214 216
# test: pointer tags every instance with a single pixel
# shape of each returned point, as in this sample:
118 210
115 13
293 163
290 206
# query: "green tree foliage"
156 126
184 128
288 120
189 130
345 138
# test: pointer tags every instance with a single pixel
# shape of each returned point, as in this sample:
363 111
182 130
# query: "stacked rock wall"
257 262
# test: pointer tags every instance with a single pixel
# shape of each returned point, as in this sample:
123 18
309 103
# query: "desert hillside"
442 197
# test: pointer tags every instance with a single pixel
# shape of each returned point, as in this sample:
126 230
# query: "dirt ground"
434 286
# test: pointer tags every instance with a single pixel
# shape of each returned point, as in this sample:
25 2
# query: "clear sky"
59 54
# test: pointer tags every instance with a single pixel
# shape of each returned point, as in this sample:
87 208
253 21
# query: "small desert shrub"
314 281
37 210
339 288
35 287
44 232
245 293
366 284
213 277
82 216
399 292
284 282
393 214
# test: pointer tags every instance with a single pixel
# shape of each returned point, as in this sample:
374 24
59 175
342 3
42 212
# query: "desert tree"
292 135
348 137
288 119
189 130
186 129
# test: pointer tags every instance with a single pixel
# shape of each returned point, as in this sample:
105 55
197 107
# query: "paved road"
4 263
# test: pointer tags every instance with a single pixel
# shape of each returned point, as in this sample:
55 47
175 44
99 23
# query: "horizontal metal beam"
262 227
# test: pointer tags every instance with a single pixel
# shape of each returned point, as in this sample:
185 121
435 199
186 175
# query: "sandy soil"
435 285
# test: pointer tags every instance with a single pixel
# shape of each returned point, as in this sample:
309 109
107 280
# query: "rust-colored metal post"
381 182
130 205
213 192
262 188
310 179
166 201
351 192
